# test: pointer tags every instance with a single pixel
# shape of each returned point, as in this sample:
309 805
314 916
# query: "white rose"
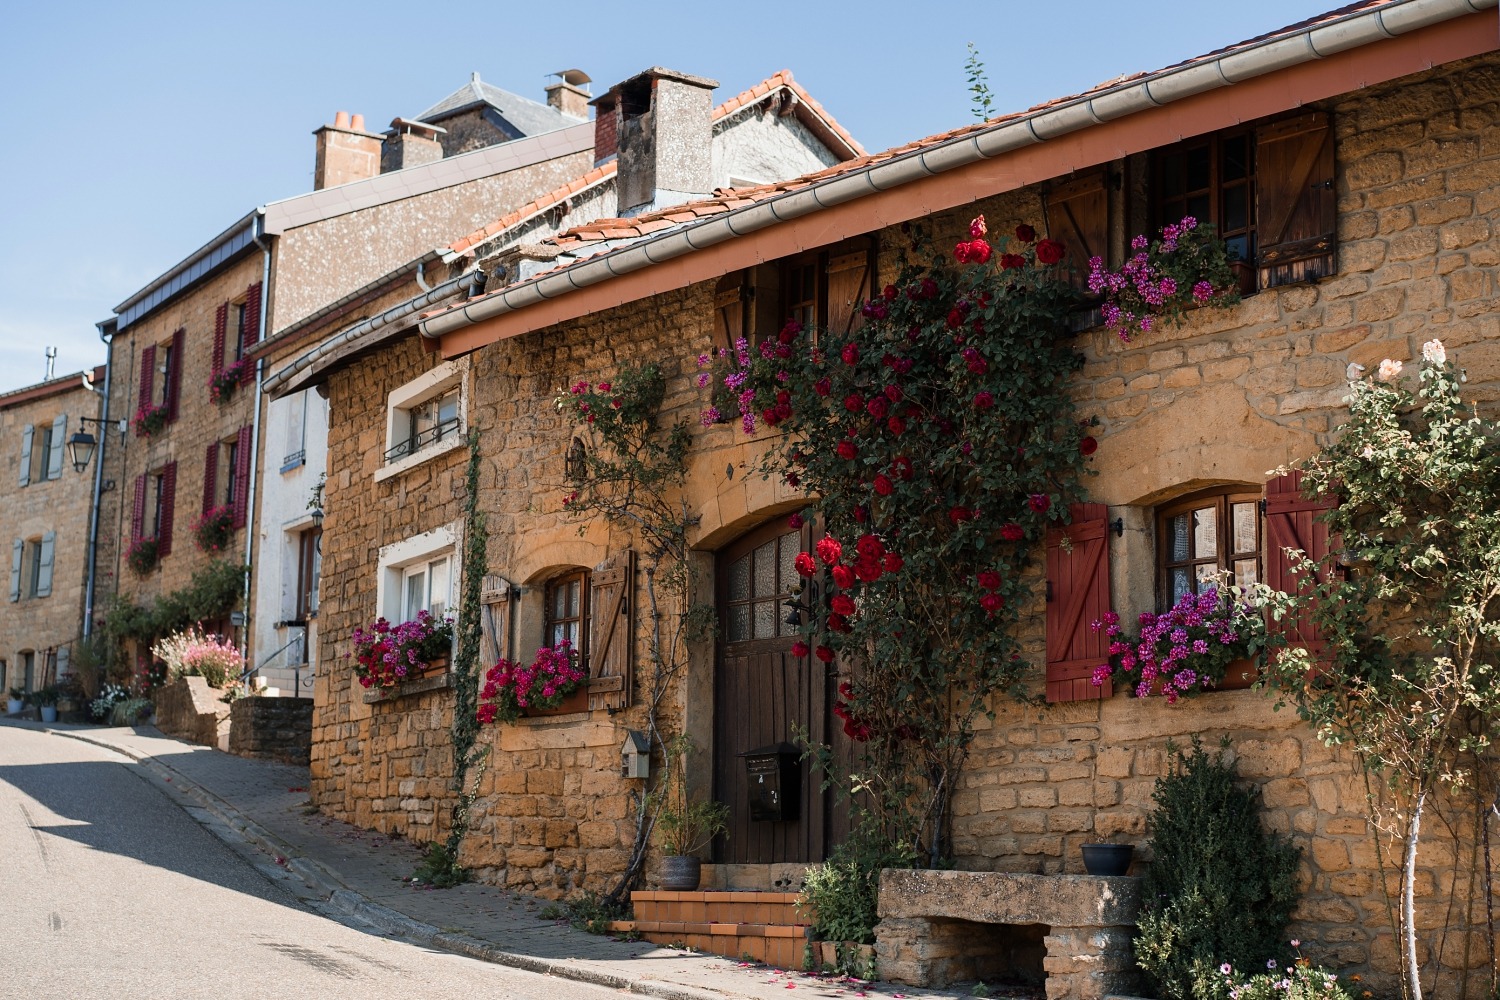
1433 353
1354 371
1388 370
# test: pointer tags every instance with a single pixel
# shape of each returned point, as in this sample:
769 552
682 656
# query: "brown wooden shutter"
252 327
168 509
148 374
1296 211
1077 596
730 300
221 327
847 285
1291 523
494 622
210 476
242 478
174 377
138 512
1078 218
612 631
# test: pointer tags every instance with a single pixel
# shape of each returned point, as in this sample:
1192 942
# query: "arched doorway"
762 694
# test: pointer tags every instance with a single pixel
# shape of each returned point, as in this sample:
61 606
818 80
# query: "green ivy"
212 593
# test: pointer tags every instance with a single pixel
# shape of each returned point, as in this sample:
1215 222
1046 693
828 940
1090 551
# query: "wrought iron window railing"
417 442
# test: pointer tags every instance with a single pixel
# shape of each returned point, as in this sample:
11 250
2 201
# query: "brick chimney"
410 143
346 152
570 94
660 124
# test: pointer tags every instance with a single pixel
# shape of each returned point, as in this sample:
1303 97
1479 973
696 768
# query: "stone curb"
351 902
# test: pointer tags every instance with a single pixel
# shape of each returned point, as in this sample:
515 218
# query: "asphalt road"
109 890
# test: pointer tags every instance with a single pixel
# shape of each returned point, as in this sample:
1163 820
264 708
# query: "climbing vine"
937 443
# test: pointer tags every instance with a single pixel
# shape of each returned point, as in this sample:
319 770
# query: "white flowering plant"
1300 981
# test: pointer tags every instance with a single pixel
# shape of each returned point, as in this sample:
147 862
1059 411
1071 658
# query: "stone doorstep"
668 927
754 908
779 945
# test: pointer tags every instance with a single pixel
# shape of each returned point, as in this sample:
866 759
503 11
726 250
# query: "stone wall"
272 728
188 708
1221 399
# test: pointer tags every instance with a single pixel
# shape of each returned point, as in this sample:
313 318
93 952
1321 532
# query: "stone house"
377 202
1352 157
773 130
45 514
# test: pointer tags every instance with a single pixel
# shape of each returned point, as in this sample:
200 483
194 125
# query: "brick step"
781 945
767 908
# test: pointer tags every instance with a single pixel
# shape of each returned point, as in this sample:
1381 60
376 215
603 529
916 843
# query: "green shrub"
130 711
1220 889
844 891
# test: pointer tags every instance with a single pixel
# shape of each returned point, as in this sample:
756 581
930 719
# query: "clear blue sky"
134 132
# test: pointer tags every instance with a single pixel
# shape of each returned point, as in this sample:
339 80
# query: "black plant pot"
1107 859
680 874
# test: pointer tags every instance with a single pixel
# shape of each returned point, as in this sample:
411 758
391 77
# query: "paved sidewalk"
264 808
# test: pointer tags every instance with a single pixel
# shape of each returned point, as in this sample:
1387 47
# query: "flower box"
572 704
437 665
1238 675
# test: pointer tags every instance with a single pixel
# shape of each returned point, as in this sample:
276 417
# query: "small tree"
1220 889
1408 678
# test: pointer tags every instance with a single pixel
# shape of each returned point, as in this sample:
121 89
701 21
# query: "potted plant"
1187 268
47 699
554 683
16 701
222 385
213 530
150 419
386 655
684 827
142 556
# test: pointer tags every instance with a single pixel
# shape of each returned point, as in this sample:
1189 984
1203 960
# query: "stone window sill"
421 685
550 720
425 455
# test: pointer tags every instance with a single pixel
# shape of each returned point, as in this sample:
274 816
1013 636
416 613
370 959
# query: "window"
760 582
295 408
1213 180
42 450
28 670
568 611
237 330
309 566
425 587
156 487
168 353
231 467
424 418
1205 537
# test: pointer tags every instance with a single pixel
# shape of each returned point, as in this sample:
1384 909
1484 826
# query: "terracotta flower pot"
576 702
680 874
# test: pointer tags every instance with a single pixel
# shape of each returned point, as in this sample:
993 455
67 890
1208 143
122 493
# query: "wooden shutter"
1292 523
44 559
55 448
252 327
730 301
1296 211
174 376
611 631
848 289
138 512
26 435
168 508
148 374
17 552
242 477
1078 218
210 476
221 327
1077 596
494 622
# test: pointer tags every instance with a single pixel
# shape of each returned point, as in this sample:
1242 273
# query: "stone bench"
943 927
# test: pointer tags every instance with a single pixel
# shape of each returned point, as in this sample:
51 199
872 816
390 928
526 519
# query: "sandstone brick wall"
1222 399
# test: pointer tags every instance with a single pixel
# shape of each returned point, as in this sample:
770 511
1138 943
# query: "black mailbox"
775 776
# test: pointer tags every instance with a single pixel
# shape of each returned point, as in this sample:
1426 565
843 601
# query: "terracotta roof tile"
551 199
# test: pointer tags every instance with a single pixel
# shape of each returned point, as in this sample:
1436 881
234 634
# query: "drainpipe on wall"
251 523
104 429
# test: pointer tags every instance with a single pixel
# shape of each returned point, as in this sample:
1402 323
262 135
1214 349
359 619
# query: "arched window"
567 614
1203 537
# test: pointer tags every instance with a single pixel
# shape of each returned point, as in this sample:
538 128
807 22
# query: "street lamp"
82 445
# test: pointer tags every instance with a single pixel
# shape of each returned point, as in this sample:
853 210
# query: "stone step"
781 945
768 908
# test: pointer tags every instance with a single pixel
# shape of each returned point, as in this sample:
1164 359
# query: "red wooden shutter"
138 512
1077 596
210 476
611 631
1078 218
242 477
221 326
252 327
174 377
168 508
148 374
848 281
1291 523
1295 202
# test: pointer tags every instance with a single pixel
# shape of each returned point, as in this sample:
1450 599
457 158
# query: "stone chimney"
410 143
660 124
346 152
570 94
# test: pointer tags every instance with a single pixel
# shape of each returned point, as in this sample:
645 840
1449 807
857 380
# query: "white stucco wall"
759 147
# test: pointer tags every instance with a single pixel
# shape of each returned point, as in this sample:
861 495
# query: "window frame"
31 568
436 384
1223 499
309 570
1215 191
582 620
155 483
394 560
236 324
228 460
165 361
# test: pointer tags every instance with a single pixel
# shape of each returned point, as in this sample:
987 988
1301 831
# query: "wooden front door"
763 695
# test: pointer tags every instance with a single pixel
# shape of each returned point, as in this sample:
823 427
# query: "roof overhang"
1280 73
206 260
